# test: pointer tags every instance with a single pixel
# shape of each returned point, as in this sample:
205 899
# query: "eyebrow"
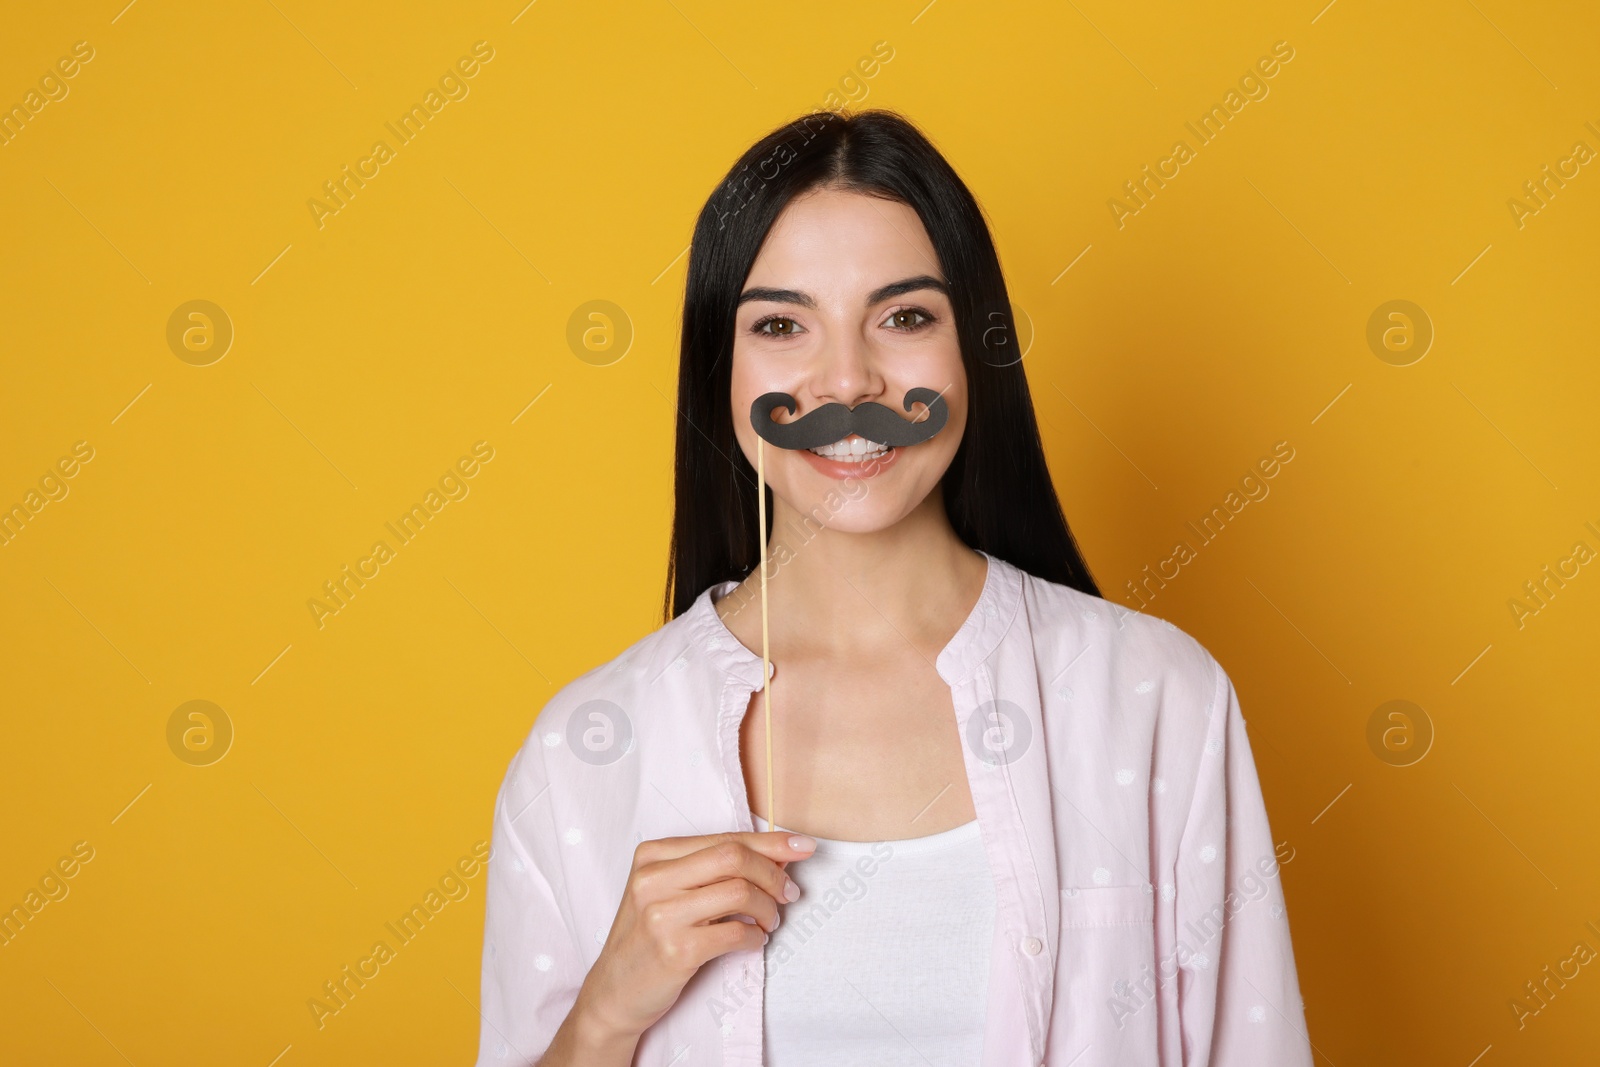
893 289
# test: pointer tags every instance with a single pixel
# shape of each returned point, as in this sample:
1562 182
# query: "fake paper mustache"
835 422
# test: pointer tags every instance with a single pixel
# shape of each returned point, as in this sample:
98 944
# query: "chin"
858 507
864 524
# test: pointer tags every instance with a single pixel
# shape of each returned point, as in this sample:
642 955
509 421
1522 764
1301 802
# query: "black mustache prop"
835 422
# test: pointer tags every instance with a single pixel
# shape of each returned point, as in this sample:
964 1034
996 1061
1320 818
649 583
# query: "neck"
854 592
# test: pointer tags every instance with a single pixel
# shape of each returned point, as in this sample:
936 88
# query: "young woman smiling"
1018 824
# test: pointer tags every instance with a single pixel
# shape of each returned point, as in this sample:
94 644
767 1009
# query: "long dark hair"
997 490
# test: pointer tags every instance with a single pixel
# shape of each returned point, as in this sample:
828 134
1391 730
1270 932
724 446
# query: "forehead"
830 241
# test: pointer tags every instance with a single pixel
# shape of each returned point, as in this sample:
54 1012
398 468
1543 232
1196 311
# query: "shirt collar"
978 636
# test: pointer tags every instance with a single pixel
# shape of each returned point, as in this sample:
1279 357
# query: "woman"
1018 823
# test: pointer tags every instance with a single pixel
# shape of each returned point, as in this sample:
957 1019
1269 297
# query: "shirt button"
1032 946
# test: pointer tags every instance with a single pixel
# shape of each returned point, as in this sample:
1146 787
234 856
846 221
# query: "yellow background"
372 352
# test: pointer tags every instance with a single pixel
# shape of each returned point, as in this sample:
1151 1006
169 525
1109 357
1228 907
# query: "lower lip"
869 468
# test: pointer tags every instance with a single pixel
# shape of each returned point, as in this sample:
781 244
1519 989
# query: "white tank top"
884 959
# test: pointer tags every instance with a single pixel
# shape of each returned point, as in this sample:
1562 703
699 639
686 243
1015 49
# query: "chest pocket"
1105 996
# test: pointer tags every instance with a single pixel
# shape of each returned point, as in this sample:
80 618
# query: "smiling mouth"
853 449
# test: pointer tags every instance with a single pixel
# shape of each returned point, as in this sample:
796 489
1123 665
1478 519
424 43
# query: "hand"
670 921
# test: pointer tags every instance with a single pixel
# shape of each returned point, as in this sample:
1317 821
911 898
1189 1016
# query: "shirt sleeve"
532 969
1238 994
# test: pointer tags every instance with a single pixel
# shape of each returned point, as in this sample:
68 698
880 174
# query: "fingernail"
802 844
777 917
764 939
791 892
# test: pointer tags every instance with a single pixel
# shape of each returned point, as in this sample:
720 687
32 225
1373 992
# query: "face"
846 304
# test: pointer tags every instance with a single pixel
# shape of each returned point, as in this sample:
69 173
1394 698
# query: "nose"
846 370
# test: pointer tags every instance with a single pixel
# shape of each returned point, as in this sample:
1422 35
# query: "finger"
721 900
685 948
717 863
780 844
720 862
774 844
717 939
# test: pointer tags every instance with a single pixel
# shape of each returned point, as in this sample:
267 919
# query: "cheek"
956 428
749 381
756 372
948 440
743 393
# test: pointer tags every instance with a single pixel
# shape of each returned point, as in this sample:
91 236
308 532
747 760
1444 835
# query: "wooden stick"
766 671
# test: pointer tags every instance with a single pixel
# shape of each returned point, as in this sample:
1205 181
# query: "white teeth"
853 449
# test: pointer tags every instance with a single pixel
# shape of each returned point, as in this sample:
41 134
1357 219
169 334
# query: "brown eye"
909 319
776 326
